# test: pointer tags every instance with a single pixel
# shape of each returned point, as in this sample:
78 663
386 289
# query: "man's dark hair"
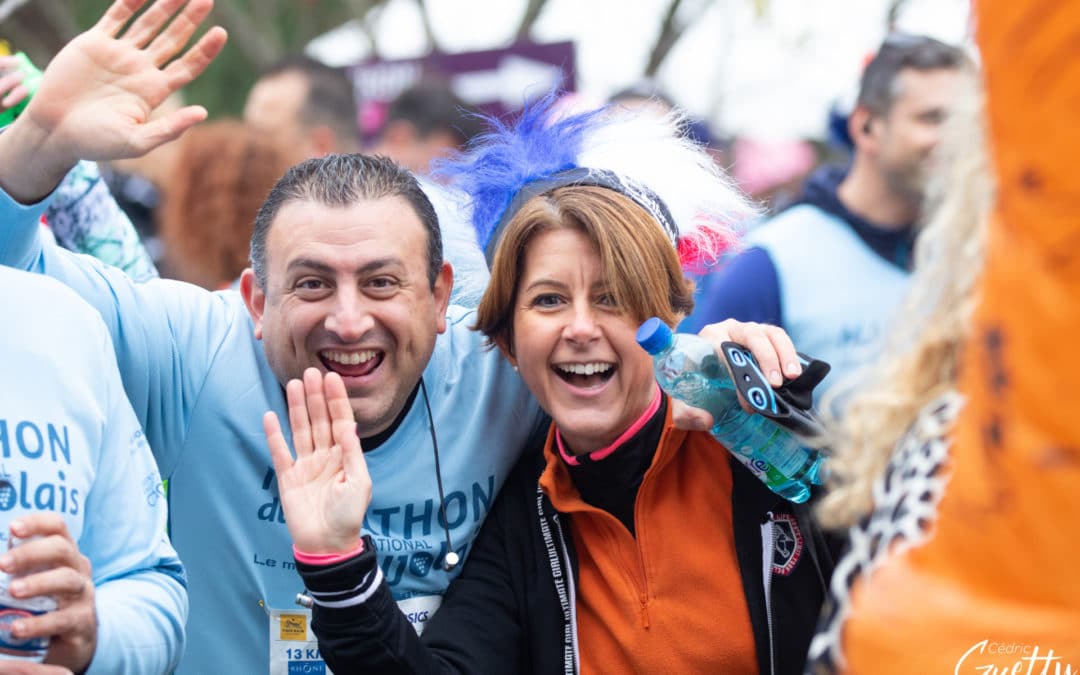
341 181
879 86
430 106
330 100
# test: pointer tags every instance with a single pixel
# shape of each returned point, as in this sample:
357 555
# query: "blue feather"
497 164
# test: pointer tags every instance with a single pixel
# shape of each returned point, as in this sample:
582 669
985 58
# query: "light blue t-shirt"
70 444
200 384
838 297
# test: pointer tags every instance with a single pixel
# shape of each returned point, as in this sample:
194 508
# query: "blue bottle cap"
654 336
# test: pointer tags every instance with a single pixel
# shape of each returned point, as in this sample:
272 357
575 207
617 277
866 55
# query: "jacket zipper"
571 590
767 547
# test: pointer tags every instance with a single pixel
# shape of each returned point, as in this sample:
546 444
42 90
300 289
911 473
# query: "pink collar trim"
597 455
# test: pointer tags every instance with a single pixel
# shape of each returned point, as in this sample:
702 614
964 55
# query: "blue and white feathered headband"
639 154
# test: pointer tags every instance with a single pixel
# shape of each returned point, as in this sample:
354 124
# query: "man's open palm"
97 95
325 492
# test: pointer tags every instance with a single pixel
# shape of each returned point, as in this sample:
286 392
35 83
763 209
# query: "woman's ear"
506 347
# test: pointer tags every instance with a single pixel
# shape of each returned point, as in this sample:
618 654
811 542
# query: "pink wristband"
326 558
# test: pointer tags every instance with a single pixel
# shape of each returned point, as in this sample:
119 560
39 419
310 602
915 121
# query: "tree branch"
670 32
528 20
429 29
8 7
260 49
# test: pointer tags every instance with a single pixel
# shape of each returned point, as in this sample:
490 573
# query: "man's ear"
254 299
444 283
861 125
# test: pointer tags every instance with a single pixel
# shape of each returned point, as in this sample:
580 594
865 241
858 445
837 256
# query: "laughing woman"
627 544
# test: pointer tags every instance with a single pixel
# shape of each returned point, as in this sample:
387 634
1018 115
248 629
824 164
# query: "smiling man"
348 276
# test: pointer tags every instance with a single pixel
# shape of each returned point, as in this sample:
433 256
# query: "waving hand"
326 490
95 98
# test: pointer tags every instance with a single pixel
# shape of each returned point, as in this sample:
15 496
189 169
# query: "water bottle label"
764 471
32 649
787 458
756 466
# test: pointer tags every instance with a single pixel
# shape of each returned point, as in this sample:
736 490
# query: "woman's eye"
607 300
547 300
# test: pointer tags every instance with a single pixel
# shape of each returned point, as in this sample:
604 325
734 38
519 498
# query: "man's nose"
349 319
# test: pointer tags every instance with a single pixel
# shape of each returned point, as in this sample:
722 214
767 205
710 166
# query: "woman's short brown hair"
638 260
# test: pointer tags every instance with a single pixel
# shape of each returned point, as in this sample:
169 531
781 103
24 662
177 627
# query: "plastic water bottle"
689 369
11 610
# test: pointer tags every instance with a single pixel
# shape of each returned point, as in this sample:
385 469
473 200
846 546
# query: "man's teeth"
584 368
350 358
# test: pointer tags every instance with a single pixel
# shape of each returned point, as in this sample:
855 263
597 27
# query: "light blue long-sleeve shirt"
200 383
70 444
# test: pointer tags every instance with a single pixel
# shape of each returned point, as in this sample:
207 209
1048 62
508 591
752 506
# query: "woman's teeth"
584 368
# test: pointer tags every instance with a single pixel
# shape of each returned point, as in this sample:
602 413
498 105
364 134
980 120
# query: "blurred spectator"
223 173
832 269
646 94
893 446
90 509
307 106
425 122
136 183
965 555
84 217
767 170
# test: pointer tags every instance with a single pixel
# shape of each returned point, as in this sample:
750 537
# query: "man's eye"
310 284
933 117
382 284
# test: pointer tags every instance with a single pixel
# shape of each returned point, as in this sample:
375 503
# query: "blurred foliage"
260 33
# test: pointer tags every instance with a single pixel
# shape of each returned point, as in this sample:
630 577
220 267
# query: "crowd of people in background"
279 396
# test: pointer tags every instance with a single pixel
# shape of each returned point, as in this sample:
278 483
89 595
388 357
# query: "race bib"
295 651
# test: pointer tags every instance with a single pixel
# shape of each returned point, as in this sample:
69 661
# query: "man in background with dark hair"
425 122
310 106
833 268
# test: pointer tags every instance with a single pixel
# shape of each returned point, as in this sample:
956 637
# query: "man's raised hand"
326 490
95 98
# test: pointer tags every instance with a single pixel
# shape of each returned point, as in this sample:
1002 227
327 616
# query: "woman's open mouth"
585 375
